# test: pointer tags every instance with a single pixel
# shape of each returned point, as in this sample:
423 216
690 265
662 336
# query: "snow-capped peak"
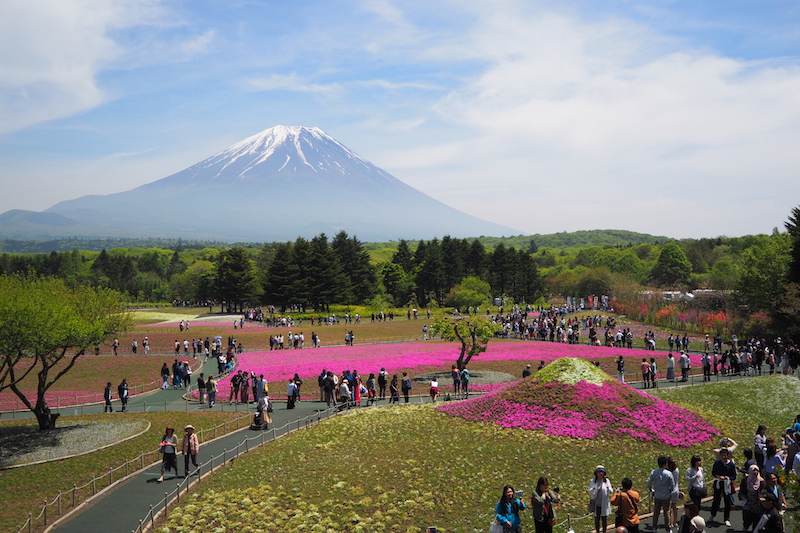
259 147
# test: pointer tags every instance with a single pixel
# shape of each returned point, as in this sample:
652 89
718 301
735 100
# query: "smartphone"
519 493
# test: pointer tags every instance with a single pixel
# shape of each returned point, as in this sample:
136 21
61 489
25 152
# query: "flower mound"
594 406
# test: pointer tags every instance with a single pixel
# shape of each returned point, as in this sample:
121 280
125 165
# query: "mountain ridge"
283 182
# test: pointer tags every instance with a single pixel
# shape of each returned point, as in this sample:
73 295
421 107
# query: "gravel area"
26 444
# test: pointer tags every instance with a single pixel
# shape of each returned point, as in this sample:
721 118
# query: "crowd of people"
755 488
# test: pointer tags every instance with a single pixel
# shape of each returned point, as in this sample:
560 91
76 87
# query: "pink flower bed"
585 411
200 324
280 365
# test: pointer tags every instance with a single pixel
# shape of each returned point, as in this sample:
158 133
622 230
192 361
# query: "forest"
745 283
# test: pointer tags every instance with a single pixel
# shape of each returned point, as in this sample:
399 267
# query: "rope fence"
79 494
58 400
211 466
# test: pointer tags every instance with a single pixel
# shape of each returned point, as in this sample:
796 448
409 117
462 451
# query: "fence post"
45 511
94 485
166 506
74 488
110 476
30 522
126 468
144 406
59 503
224 427
224 455
165 406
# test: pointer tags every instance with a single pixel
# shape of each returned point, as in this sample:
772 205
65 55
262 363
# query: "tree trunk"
46 419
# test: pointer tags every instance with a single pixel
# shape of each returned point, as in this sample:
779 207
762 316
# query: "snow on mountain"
284 182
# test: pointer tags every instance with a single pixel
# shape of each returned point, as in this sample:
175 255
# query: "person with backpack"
406 386
382 382
465 382
122 392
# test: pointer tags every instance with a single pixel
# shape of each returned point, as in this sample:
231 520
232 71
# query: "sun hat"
169 427
699 523
188 426
600 468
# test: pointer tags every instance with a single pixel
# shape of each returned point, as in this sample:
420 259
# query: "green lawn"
404 468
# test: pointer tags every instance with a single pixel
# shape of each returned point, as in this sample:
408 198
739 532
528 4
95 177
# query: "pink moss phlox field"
585 411
280 365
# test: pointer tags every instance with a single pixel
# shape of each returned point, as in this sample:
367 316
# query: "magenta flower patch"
585 411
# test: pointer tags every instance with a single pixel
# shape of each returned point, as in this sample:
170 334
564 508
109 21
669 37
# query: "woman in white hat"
600 490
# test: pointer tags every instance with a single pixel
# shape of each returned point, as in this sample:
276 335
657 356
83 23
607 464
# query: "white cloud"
606 112
293 82
51 51
199 44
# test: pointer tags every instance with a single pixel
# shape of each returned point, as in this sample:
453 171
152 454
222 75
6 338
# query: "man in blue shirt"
661 483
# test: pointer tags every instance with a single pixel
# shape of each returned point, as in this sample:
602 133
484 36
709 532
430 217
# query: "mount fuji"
279 184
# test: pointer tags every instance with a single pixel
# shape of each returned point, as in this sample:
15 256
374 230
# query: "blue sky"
667 117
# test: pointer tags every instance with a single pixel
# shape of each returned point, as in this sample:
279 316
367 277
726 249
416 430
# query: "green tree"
762 272
473 333
280 278
672 267
793 227
403 256
471 292
43 325
475 262
234 278
328 284
356 266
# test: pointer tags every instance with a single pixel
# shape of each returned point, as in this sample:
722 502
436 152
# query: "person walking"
394 390
627 500
211 389
169 444
190 448
107 397
406 386
201 388
122 392
724 472
507 511
660 484
291 390
465 382
749 494
164 376
543 501
383 379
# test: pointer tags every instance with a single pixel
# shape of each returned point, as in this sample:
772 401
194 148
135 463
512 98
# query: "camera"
556 490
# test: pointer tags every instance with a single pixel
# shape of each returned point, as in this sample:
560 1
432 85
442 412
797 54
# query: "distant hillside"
11 246
598 237
379 251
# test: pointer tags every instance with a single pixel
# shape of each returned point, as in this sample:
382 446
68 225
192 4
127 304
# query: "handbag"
495 527
592 505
